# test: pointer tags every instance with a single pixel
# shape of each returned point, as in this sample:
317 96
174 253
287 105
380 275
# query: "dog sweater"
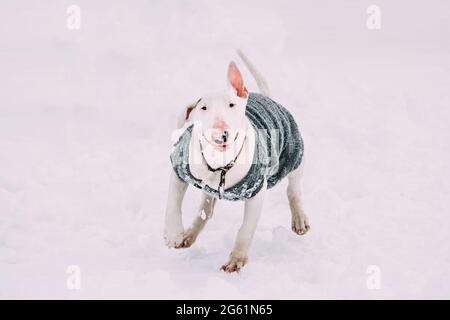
278 150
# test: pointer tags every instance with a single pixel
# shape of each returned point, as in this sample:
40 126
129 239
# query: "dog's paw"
188 240
300 224
234 264
173 239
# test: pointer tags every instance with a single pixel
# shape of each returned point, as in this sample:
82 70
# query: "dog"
234 145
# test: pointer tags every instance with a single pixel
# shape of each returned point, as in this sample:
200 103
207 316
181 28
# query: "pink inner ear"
236 81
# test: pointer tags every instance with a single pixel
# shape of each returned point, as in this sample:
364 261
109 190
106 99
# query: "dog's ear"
235 80
187 112
189 109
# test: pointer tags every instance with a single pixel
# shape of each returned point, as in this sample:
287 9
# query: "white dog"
234 145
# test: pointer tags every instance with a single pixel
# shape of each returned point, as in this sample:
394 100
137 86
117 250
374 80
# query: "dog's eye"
231 105
204 108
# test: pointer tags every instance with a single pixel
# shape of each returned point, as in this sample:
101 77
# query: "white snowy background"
85 123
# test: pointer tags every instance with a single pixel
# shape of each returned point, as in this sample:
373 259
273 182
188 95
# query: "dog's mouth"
223 138
221 144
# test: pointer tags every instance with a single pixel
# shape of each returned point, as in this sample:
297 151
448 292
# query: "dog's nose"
220 132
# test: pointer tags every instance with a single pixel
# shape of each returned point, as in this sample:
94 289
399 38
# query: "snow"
86 119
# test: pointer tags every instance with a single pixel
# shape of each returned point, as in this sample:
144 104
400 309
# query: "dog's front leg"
173 231
205 213
239 255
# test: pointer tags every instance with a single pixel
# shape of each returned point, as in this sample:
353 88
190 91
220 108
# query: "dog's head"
220 118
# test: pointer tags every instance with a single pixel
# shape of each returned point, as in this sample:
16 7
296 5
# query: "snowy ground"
85 124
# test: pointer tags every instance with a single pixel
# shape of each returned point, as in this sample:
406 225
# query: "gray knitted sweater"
278 150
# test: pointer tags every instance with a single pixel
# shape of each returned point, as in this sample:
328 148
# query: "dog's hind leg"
205 213
300 223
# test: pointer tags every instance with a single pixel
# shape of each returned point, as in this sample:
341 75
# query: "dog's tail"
262 84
